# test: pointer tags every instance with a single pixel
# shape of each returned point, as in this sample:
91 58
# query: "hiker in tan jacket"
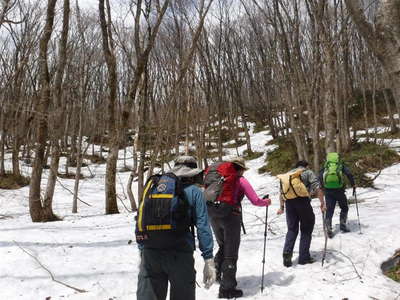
299 212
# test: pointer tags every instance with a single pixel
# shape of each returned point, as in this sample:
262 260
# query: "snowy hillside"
93 252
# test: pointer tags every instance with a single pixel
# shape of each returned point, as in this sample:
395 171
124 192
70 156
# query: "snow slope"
92 252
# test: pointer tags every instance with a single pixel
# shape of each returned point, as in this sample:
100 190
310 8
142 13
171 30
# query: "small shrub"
281 159
237 143
259 127
95 159
226 134
12 182
125 169
369 157
214 154
252 155
263 169
394 273
70 176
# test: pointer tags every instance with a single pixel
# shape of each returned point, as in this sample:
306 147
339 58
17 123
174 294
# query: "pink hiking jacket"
245 188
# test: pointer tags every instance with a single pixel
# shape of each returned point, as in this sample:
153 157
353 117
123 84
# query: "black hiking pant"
158 267
299 212
226 224
333 196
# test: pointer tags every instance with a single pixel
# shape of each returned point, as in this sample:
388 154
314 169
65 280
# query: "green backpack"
333 172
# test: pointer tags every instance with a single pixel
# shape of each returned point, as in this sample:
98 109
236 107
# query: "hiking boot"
229 294
330 233
287 259
343 222
343 228
307 261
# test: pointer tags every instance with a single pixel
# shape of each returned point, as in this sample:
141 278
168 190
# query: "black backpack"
164 215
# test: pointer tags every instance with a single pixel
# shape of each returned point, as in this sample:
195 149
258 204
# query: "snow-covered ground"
93 252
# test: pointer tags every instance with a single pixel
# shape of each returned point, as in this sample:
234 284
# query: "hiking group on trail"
174 203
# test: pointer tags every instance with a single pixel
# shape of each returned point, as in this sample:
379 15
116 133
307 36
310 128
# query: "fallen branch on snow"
351 261
48 271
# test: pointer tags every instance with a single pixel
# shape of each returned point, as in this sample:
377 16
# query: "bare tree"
384 39
113 134
39 212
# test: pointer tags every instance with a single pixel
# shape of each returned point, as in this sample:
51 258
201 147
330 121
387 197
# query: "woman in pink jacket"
226 220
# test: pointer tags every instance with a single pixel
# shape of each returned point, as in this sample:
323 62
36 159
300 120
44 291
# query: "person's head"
239 164
185 167
301 164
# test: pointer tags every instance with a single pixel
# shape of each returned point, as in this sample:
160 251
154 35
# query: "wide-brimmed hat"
186 166
239 161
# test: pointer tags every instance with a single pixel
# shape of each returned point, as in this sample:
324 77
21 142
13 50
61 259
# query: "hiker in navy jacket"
226 217
176 264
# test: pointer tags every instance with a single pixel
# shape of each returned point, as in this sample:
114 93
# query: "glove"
354 190
268 201
209 273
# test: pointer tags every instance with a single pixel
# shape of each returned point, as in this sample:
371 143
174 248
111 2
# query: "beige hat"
239 161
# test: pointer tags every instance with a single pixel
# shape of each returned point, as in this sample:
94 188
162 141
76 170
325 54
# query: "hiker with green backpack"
332 180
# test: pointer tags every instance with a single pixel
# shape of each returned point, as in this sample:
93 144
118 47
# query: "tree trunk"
113 135
79 164
384 39
59 111
392 122
38 212
2 143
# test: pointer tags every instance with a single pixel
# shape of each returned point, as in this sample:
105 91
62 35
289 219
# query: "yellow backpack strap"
141 206
281 178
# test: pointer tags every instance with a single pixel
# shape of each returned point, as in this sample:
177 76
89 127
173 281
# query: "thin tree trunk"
79 163
393 128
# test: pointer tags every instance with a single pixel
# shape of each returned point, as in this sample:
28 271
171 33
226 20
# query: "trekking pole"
244 229
358 215
326 237
265 242
241 219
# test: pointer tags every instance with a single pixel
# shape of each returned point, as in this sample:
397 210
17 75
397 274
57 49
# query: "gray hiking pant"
299 211
333 196
226 225
158 267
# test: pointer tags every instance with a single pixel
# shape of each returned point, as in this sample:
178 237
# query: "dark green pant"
158 267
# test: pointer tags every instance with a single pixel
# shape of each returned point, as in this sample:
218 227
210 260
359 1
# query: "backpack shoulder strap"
150 182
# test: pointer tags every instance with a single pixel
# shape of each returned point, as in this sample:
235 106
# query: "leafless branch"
48 271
